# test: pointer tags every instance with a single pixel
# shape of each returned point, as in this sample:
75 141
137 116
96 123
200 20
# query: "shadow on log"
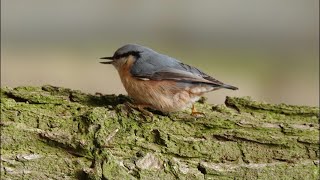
58 133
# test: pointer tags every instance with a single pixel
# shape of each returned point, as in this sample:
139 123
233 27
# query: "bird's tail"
229 87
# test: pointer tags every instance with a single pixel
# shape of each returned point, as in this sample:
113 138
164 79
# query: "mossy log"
57 133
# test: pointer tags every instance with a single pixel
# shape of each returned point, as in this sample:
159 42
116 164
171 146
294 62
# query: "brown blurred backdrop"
269 48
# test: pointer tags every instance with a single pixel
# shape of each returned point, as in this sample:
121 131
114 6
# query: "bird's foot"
195 113
140 108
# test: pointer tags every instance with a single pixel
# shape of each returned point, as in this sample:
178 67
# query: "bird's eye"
133 53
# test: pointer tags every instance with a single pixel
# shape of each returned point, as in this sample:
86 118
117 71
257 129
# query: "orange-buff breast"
162 95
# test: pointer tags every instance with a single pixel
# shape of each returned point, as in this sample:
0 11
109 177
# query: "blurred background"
269 49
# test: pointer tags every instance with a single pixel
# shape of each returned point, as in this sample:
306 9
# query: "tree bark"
58 133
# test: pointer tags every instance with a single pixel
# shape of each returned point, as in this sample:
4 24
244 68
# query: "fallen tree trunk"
57 133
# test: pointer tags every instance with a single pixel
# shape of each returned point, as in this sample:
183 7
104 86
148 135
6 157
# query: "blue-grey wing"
160 67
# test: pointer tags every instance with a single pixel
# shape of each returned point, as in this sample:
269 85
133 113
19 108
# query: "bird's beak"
107 62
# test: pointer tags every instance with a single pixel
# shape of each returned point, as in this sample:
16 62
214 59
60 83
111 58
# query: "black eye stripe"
133 53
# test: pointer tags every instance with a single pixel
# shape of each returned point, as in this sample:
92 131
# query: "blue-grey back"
151 62
153 65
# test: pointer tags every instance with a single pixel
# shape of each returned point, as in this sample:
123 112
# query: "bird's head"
120 57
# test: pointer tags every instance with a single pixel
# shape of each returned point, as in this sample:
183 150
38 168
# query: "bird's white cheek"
118 64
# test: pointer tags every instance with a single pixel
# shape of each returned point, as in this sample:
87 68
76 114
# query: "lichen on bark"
59 133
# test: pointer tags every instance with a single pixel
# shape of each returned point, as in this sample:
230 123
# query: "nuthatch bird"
160 82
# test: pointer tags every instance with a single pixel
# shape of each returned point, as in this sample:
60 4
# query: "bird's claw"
139 108
195 113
